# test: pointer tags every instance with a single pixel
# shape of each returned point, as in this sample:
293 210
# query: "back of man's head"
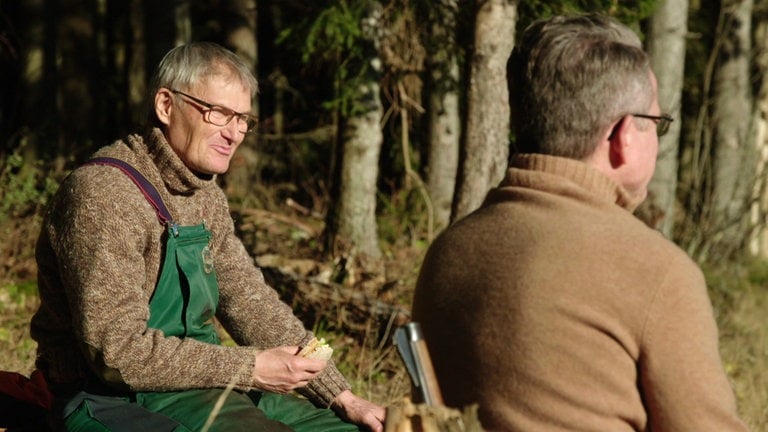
570 78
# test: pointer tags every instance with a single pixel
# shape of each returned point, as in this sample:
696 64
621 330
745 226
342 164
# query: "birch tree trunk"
731 113
666 46
353 222
758 244
486 142
443 108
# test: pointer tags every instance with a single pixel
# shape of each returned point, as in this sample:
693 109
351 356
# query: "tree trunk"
353 226
444 130
77 58
11 65
160 31
666 46
238 18
758 244
137 70
486 142
731 113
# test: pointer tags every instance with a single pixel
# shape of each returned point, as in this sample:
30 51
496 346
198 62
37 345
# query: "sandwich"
317 349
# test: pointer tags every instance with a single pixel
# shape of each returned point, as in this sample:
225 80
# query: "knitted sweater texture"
555 309
99 255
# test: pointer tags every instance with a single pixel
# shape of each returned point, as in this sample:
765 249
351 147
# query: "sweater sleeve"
682 379
252 311
101 230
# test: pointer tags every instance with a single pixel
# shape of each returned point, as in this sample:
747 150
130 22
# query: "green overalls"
183 305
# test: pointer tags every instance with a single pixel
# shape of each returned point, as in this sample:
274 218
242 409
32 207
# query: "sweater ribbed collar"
177 177
527 169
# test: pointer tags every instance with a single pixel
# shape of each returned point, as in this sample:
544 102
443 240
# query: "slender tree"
442 104
347 37
136 69
666 45
758 244
238 19
10 74
731 113
362 139
486 141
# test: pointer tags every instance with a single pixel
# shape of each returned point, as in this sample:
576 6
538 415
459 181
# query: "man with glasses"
552 306
138 254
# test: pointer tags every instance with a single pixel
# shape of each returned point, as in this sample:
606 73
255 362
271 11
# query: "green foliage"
402 219
17 303
334 39
739 298
24 188
629 12
334 33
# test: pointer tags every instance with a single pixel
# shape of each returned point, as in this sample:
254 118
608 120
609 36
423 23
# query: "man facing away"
128 289
552 306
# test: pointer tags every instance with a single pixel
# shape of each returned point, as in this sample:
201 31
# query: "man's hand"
359 411
280 370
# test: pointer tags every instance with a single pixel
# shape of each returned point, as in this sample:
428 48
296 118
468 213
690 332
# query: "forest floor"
357 306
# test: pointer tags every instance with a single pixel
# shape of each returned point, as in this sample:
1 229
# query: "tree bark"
444 129
486 142
731 112
758 244
238 18
666 46
137 68
354 226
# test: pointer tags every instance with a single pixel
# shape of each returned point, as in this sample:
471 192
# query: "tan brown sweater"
555 309
99 256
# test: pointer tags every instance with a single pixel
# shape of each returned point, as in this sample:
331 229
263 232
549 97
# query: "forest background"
381 123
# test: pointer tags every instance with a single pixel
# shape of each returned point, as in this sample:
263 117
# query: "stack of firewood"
408 417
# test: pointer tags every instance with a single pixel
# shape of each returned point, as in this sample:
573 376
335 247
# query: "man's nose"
232 130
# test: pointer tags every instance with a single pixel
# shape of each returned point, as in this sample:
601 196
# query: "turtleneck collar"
523 168
177 177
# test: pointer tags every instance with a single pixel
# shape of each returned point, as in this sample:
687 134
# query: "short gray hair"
570 77
186 65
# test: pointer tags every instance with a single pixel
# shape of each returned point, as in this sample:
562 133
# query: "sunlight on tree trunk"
357 204
362 139
443 109
666 46
486 145
731 111
758 244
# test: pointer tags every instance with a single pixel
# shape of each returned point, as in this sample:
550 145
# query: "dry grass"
740 298
17 349
363 348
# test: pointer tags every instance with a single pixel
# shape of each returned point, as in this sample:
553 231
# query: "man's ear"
618 139
163 105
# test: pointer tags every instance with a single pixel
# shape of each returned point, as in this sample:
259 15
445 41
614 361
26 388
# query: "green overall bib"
183 305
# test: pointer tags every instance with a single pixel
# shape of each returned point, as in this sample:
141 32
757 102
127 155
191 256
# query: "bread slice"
317 349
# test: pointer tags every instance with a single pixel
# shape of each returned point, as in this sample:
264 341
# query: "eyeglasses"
221 116
662 122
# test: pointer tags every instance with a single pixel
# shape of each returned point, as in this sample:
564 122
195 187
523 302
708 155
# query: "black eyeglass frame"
250 121
662 121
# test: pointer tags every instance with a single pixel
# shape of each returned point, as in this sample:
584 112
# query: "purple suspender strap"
149 191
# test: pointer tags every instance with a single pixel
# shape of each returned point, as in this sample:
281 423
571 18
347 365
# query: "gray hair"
186 65
570 78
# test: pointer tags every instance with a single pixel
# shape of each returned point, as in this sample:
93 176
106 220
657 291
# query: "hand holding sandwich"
287 368
280 370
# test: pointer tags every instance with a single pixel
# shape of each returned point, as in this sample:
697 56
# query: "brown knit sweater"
555 309
99 256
